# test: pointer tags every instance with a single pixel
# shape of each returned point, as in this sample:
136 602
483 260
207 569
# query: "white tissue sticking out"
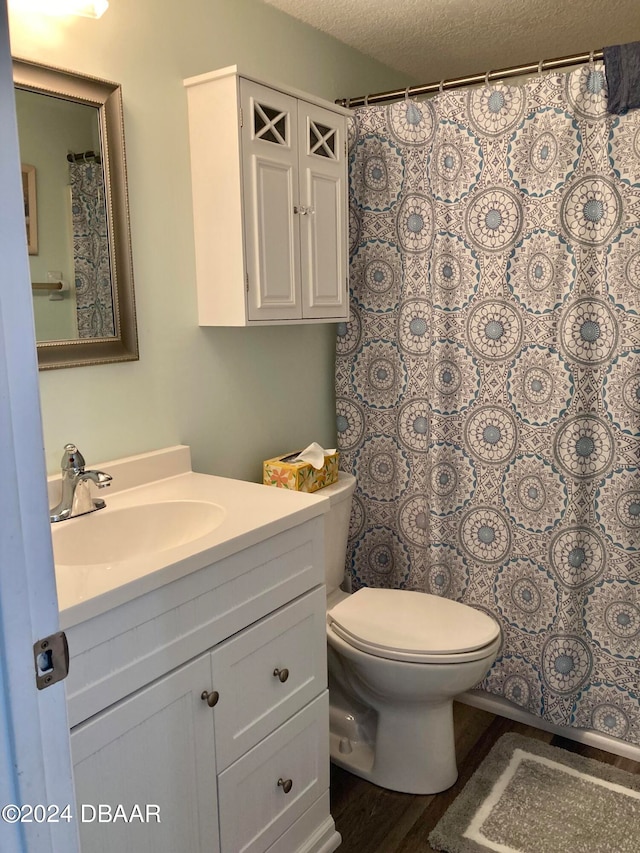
314 455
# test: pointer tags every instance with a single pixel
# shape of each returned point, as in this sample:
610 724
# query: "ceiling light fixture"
84 8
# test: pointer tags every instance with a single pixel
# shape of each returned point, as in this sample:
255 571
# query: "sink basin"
114 535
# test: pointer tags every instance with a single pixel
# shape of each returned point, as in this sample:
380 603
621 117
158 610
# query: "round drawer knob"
285 784
210 698
281 674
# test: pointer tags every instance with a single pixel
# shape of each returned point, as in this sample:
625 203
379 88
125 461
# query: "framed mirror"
74 182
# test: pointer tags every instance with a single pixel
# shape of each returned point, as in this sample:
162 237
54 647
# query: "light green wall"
237 396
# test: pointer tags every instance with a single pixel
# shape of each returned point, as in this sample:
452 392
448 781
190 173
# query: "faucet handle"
72 458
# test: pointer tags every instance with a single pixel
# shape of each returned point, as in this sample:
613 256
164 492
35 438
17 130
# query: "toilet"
397 659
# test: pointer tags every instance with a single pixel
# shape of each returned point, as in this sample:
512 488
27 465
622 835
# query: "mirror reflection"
76 216
60 145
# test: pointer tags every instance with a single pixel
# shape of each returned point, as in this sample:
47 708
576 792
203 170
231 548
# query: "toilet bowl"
397 659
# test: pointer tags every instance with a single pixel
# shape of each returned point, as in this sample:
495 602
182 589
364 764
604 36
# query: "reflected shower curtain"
488 382
91 251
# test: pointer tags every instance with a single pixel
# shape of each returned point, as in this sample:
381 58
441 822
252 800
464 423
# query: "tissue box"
299 476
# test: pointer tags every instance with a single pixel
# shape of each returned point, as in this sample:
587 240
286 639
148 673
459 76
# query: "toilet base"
410 749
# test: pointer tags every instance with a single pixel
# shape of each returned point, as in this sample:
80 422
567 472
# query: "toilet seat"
413 626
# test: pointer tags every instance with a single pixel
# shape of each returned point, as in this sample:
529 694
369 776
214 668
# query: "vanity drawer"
254 698
297 752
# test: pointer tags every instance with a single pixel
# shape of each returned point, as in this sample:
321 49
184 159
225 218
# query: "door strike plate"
51 659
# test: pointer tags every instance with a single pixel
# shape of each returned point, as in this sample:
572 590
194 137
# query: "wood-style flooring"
372 820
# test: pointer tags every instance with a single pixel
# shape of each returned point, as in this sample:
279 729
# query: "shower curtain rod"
83 156
457 82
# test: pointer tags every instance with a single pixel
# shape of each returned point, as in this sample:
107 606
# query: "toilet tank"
336 529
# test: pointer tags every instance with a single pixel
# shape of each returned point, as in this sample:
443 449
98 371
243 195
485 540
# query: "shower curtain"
94 302
488 381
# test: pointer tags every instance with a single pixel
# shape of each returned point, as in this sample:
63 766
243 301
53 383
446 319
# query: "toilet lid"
406 625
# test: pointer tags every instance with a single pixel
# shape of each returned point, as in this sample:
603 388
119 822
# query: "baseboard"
503 708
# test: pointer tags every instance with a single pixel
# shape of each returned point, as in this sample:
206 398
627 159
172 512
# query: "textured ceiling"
436 39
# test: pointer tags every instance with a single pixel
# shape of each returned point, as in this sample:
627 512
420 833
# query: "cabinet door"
270 188
154 750
323 220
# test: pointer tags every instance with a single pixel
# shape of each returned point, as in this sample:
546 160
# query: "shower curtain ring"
347 103
486 79
540 64
366 100
441 87
406 93
591 60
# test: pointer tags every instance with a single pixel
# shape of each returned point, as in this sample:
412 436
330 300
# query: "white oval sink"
115 535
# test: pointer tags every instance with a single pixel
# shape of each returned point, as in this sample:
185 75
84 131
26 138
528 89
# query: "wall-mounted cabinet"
269 183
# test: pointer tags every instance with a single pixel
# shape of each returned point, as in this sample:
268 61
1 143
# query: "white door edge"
34 736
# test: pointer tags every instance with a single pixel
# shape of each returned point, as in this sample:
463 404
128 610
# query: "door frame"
34 733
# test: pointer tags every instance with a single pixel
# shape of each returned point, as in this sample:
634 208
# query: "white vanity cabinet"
204 703
269 184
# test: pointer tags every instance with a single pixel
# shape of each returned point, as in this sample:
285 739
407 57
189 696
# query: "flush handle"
285 784
281 674
210 698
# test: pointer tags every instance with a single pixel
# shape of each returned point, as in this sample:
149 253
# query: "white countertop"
253 513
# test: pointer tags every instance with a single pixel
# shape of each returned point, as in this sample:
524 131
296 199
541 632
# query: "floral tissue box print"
299 476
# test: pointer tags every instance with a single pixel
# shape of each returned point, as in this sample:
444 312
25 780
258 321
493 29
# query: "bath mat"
529 797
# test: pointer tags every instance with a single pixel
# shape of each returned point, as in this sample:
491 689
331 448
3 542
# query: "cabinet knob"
210 698
281 674
285 784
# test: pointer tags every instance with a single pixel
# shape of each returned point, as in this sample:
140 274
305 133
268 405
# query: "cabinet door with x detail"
323 197
271 204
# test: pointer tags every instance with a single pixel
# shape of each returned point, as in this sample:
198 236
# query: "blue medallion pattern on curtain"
94 299
488 382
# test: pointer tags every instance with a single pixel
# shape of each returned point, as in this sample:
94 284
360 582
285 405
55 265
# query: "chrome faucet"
76 498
